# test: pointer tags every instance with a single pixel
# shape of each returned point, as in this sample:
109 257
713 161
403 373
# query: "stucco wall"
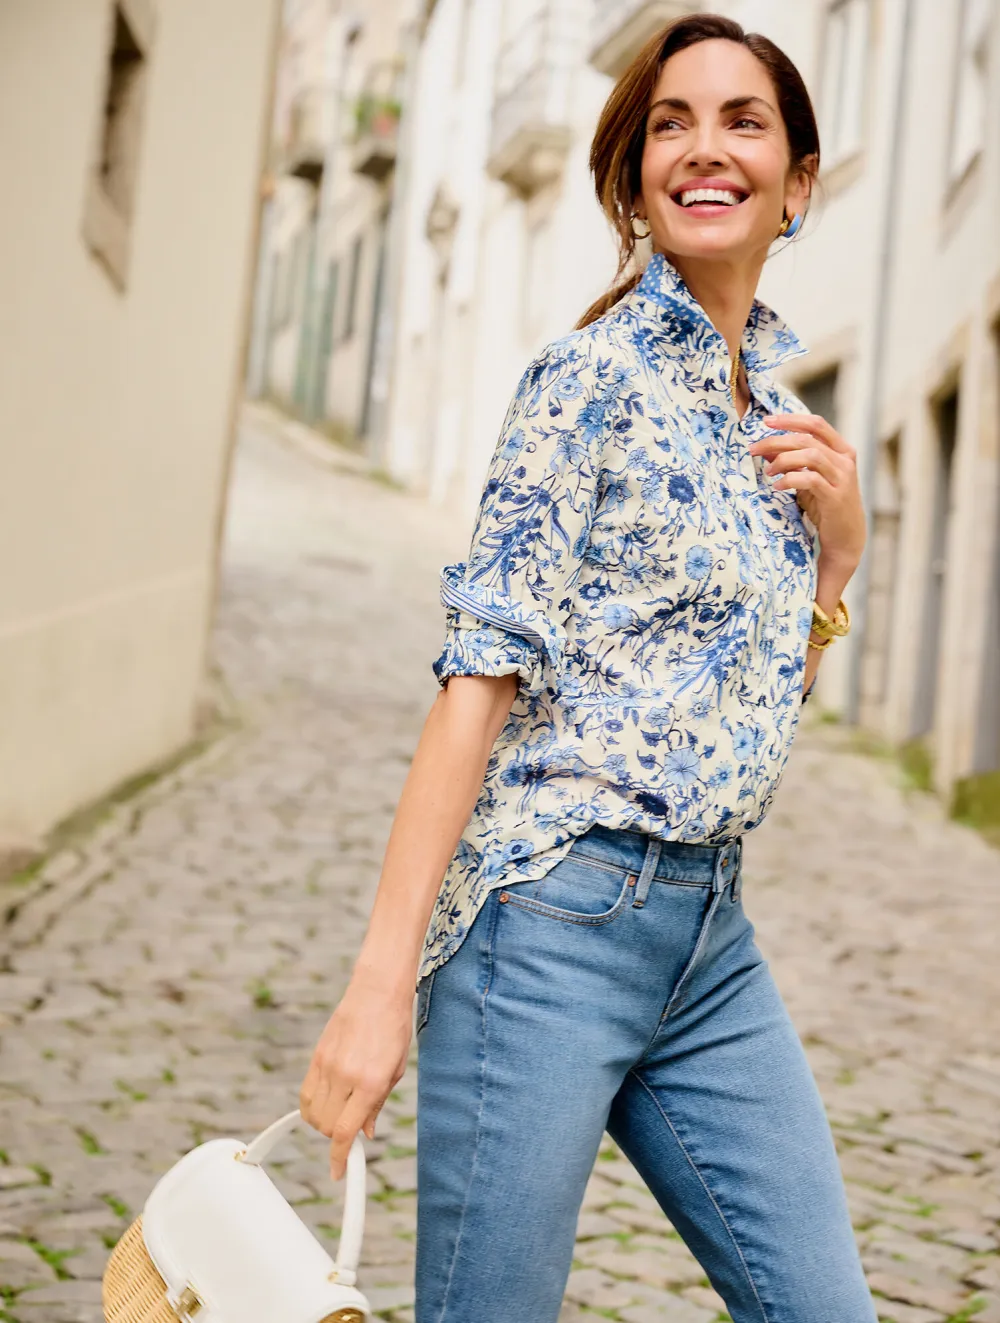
115 406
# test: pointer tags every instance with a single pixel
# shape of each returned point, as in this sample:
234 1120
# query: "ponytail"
608 300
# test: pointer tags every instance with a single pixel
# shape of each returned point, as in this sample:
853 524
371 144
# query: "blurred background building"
131 136
322 280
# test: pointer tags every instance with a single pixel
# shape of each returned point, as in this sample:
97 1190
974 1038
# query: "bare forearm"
832 578
438 797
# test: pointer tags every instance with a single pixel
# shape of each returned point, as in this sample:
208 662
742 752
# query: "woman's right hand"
360 1057
362 1051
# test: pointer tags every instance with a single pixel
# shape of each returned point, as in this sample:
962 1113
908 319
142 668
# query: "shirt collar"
767 340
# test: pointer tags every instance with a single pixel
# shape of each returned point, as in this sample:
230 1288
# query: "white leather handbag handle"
352 1228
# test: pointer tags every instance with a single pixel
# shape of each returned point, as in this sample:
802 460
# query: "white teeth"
723 195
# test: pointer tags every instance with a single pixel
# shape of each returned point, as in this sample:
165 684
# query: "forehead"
712 72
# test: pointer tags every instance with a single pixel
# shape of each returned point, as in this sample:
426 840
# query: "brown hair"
616 152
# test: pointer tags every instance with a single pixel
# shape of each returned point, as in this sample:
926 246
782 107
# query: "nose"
707 151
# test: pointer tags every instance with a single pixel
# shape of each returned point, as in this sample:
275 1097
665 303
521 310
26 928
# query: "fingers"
339 1109
369 1125
355 1112
805 480
325 1088
325 1105
815 458
811 423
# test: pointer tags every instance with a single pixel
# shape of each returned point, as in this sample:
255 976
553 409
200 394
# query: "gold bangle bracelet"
820 647
831 627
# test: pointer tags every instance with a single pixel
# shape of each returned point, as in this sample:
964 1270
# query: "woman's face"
714 127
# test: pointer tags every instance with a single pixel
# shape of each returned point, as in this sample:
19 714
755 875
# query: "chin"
708 246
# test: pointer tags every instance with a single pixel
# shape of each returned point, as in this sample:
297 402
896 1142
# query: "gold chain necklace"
733 377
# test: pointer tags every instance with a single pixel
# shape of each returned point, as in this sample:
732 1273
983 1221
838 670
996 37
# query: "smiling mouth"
696 198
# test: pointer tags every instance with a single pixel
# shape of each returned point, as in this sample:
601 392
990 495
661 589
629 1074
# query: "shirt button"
504 897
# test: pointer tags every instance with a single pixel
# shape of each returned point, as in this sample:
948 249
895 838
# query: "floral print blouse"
633 564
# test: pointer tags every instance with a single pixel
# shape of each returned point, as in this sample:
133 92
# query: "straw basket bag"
217 1243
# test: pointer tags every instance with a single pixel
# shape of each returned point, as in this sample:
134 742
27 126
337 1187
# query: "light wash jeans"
622 991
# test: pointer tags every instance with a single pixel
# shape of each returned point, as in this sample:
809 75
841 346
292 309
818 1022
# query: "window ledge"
106 233
961 193
141 17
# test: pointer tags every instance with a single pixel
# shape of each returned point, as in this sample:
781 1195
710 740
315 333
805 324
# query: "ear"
799 187
639 207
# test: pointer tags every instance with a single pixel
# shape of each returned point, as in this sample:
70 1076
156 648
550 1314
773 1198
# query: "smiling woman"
654 571
654 117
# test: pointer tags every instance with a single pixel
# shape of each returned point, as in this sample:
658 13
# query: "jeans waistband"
655 860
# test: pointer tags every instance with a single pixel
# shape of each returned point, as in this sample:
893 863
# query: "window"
970 96
844 79
351 310
819 394
289 279
317 404
299 270
883 550
987 753
946 429
110 200
286 285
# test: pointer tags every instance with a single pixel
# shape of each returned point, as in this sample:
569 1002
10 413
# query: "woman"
628 648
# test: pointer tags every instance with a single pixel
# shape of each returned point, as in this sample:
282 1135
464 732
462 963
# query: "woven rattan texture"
133 1291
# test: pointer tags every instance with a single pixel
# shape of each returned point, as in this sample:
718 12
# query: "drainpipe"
386 313
885 269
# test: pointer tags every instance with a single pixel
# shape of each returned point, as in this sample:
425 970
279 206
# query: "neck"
725 290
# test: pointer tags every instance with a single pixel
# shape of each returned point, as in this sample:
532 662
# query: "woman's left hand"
813 460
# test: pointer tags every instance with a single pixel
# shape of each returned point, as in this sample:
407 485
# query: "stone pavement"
167 977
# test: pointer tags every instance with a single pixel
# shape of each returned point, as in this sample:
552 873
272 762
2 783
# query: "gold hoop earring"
649 228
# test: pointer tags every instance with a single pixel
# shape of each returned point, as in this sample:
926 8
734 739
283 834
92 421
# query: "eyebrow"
734 103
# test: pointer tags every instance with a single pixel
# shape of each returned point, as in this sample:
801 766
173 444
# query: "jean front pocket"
576 890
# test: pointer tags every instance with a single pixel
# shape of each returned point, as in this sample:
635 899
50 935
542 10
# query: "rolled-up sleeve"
507 603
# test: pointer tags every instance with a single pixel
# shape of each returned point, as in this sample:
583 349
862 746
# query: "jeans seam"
545 911
699 944
479 1117
705 1186
589 861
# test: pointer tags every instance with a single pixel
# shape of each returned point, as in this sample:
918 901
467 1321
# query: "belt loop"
648 869
737 868
724 856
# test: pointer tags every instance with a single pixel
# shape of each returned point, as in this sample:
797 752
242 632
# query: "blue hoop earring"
790 228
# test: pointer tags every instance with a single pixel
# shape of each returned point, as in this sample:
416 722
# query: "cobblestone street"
163 980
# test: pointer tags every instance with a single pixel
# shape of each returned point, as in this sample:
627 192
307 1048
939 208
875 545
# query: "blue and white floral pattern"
635 567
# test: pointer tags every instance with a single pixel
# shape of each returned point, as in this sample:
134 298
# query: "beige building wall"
896 286
943 315
116 385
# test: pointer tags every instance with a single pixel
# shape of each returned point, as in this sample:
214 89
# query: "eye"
747 122
664 124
